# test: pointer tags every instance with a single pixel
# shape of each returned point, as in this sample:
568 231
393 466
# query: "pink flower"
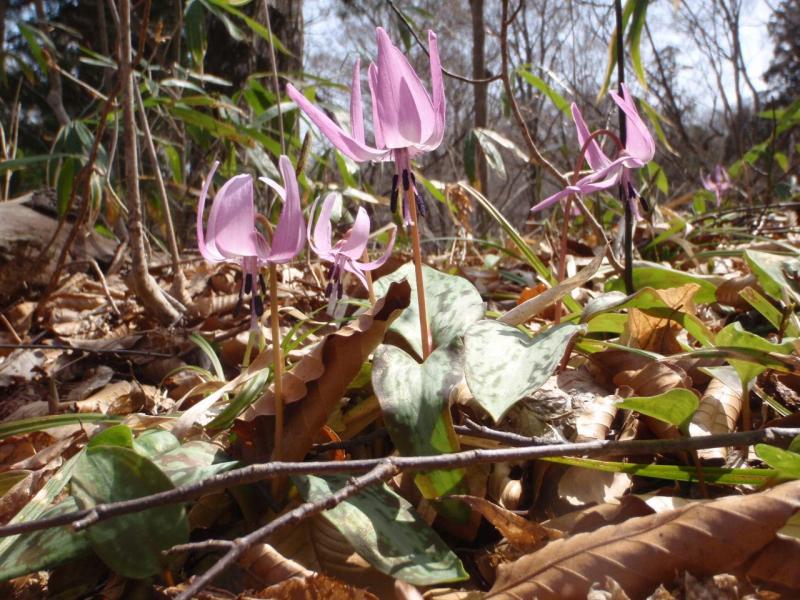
718 182
346 253
231 233
406 120
606 173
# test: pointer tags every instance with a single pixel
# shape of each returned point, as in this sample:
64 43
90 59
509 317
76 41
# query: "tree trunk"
479 90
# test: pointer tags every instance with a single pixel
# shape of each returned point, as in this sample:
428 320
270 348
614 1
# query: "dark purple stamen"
393 197
405 180
248 283
258 305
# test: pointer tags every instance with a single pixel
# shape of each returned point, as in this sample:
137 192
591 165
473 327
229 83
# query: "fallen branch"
261 471
237 547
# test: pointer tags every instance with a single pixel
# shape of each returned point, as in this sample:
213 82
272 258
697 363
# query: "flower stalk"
277 353
411 203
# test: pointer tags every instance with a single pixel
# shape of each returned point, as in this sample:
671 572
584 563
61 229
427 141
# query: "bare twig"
237 547
104 284
535 155
261 471
88 350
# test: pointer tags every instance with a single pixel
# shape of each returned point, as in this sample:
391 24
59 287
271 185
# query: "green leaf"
540 84
131 544
66 177
414 404
249 393
612 48
193 462
785 462
718 475
648 301
386 531
155 442
504 365
9 428
635 39
452 302
194 21
27 161
771 270
117 435
504 142
660 277
768 311
252 24
470 167
208 350
733 336
675 406
45 549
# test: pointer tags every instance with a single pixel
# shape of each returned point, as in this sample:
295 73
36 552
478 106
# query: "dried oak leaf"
316 587
717 413
322 376
659 333
640 553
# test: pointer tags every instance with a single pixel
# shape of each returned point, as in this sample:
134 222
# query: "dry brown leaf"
728 290
321 378
777 563
580 487
519 531
589 519
269 566
594 421
659 334
608 590
717 413
316 587
706 538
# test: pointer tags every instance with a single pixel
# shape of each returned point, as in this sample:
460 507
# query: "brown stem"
277 353
368 277
423 311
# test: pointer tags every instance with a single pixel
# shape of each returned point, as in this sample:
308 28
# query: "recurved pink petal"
209 251
231 223
356 107
594 155
639 143
290 233
351 147
405 109
320 241
376 122
355 242
370 266
437 89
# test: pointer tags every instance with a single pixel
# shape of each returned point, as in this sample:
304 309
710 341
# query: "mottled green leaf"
414 403
504 365
385 530
193 461
661 277
131 544
453 304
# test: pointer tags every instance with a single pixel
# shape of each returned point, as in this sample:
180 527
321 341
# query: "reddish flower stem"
423 312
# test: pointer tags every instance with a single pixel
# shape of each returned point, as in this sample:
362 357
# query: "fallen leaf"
315 587
643 552
321 378
519 531
717 413
270 566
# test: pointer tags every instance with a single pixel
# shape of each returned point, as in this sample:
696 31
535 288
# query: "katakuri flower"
606 173
231 234
347 252
406 120
718 182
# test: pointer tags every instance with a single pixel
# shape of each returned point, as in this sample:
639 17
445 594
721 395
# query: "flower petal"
376 122
355 242
405 109
437 88
594 155
290 233
349 146
231 223
639 143
356 107
370 266
320 241
209 251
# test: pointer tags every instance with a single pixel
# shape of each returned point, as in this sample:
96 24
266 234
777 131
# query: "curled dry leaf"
659 334
718 411
270 566
519 531
315 587
706 538
322 376
728 290
777 563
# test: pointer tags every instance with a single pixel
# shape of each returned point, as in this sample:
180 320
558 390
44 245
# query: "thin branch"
261 471
420 43
534 154
237 547
87 350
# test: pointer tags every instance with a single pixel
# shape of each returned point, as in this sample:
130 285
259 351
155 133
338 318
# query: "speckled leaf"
386 531
131 544
40 550
452 302
414 401
504 365
194 461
